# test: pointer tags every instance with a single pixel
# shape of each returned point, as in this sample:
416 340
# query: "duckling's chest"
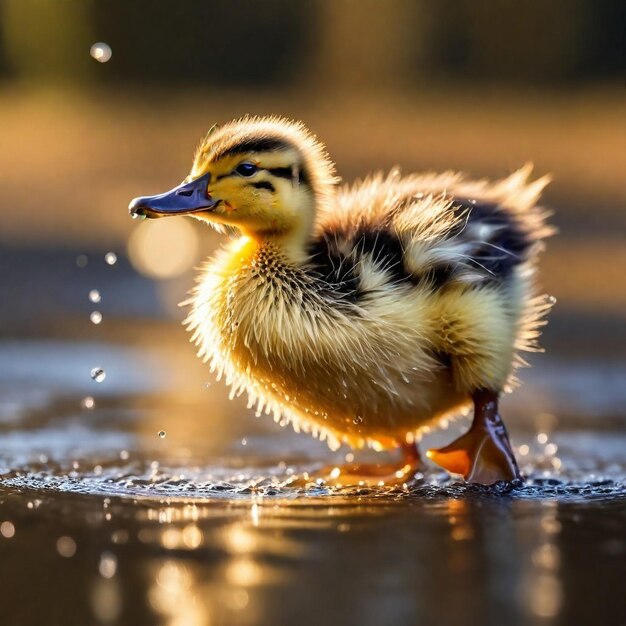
277 323
261 310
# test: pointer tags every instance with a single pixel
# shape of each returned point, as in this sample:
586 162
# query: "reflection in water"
66 547
258 560
460 526
106 600
540 586
187 538
7 530
174 595
243 571
108 565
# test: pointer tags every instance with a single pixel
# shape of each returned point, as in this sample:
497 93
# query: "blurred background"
104 101
101 393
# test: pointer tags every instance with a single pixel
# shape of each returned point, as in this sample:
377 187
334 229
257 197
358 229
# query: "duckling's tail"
520 196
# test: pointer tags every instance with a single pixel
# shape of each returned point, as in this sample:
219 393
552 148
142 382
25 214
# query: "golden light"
244 572
163 248
106 600
192 536
173 594
240 540
545 595
171 538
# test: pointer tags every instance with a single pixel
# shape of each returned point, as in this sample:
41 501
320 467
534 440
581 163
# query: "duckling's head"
265 176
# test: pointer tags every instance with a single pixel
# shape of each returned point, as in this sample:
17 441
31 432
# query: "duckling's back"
438 229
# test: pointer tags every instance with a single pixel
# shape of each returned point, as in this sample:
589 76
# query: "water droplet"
81 260
124 455
94 295
551 300
110 258
244 442
542 438
162 434
108 565
207 385
357 420
88 402
98 374
95 317
101 52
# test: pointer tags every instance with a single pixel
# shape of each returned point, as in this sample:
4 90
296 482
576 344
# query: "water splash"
98 374
155 480
101 52
110 258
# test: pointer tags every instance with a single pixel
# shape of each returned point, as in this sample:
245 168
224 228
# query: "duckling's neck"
291 238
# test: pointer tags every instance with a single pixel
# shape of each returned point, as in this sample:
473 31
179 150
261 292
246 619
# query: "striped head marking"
265 175
262 175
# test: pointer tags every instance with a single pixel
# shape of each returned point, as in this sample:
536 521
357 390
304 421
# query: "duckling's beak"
189 197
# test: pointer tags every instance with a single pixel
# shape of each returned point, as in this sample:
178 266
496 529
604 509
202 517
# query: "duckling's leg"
483 454
371 474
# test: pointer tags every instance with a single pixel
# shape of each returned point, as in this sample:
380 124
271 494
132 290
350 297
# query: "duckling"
365 314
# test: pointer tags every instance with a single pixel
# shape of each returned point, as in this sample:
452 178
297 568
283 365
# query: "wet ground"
149 498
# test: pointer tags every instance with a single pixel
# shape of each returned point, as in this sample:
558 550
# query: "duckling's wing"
396 231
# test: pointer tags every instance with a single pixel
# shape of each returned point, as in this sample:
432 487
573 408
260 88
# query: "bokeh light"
163 248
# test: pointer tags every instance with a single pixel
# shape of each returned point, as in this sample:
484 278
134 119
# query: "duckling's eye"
246 168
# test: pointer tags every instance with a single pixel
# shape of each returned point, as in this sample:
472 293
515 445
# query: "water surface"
161 502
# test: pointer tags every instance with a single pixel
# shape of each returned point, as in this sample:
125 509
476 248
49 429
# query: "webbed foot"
373 474
483 454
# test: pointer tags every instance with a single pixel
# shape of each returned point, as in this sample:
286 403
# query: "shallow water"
112 523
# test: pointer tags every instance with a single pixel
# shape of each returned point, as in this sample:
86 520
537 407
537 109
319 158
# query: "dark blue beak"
189 197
